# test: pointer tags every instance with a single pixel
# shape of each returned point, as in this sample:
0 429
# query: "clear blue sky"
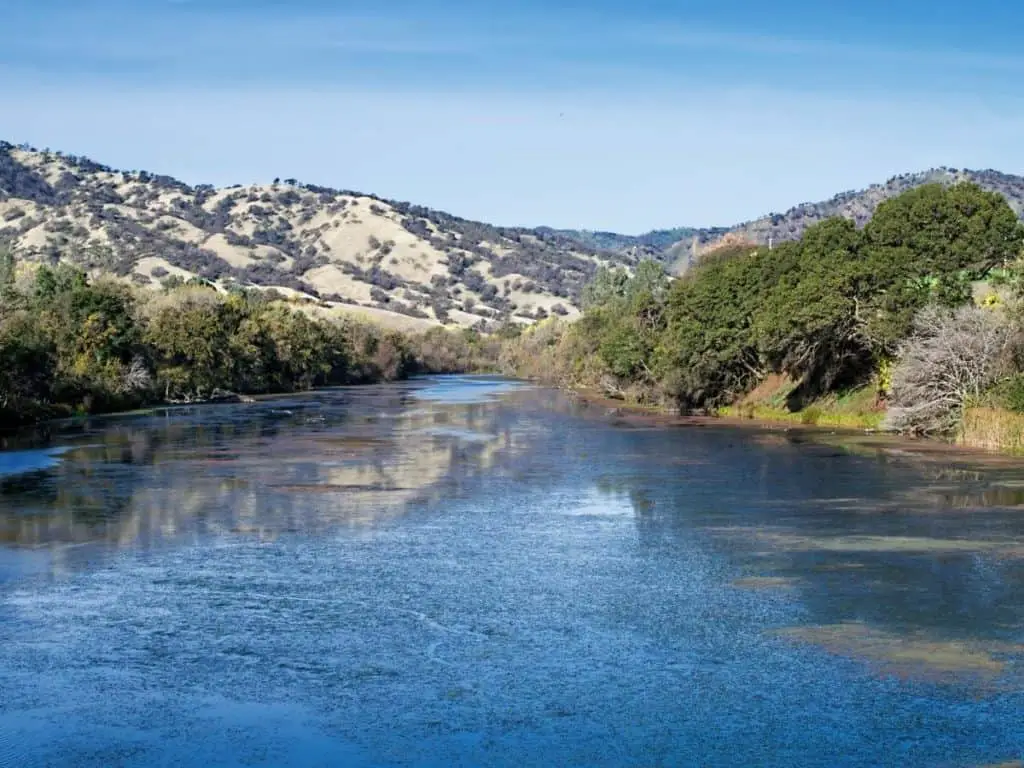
602 115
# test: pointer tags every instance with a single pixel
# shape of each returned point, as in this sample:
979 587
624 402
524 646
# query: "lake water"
468 572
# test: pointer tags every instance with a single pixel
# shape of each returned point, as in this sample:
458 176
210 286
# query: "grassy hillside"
343 249
392 262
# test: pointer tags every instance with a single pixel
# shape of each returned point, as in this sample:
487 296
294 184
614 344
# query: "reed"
995 429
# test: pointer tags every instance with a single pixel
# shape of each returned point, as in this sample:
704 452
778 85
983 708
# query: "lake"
467 571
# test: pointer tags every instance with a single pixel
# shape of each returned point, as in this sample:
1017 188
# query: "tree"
28 363
61 278
809 323
608 284
708 353
7 272
950 357
648 280
926 245
190 342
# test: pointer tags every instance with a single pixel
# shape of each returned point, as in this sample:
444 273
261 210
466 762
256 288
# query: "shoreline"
632 414
926 448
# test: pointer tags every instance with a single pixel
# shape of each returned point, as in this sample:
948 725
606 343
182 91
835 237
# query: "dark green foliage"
71 345
1010 393
926 245
822 310
606 286
28 361
624 350
625 317
709 350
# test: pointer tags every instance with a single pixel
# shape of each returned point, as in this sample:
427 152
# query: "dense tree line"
68 344
828 311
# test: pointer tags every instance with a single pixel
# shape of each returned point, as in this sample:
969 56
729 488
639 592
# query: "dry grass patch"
994 429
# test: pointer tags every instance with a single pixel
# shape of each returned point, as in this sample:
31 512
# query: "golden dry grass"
992 428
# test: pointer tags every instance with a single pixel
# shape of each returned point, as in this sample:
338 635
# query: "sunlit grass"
992 428
814 415
851 409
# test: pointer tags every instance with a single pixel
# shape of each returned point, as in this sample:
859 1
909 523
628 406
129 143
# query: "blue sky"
602 115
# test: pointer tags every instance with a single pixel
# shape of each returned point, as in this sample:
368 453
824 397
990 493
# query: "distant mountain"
339 248
855 205
655 241
677 247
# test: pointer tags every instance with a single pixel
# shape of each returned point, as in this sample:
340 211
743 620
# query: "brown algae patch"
913 656
791 542
354 442
830 567
878 543
336 488
766 582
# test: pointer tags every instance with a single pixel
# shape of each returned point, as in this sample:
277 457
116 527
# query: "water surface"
469 571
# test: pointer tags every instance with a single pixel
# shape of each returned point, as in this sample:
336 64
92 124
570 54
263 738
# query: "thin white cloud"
191 39
728 41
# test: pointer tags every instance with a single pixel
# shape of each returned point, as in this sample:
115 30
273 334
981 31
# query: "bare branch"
949 358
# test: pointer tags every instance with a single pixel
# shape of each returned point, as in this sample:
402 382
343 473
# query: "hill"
651 243
401 263
857 205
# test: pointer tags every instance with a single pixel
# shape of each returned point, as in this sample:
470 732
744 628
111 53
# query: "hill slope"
856 205
397 262
341 248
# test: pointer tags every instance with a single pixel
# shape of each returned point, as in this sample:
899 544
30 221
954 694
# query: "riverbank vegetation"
70 345
913 322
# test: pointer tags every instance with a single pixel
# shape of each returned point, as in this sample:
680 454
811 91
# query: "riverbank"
70 346
995 429
992 437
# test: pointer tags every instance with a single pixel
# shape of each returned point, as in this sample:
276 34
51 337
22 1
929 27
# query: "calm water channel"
464 571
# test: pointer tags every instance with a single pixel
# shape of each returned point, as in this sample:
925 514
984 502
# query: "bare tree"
135 378
950 357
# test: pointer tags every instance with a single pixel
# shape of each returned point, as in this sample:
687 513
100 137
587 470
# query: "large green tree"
824 310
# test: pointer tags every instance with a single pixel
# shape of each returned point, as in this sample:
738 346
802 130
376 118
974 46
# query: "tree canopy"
825 310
